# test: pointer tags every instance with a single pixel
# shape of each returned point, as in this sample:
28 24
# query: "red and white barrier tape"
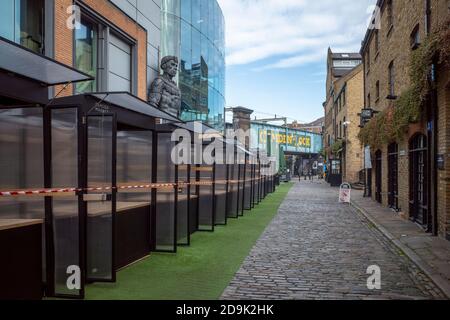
35 192
49 192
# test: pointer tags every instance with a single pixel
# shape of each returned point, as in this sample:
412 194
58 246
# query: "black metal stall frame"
113 215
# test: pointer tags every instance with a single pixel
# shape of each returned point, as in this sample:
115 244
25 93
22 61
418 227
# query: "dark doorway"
419 183
393 176
378 176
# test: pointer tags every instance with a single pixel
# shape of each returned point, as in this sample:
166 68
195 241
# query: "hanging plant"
393 123
337 146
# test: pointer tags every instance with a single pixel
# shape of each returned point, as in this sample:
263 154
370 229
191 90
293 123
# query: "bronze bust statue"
164 93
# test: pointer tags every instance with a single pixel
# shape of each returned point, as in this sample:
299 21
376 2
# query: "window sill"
391 28
391 97
376 55
415 46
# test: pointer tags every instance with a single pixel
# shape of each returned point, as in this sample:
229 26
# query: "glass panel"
65 210
194 191
99 213
170 42
119 61
186 12
134 168
233 187
172 6
86 54
182 210
7 19
165 199
30 24
221 193
241 188
206 195
196 18
248 187
202 37
22 164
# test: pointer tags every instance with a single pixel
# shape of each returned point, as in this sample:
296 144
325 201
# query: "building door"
393 175
419 181
378 176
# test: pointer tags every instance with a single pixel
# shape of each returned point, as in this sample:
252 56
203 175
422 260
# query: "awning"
26 63
133 103
206 132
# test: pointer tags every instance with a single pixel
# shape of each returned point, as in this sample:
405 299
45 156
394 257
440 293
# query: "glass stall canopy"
26 63
92 180
203 177
24 129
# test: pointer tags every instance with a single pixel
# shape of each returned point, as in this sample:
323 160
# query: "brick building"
406 174
110 45
344 100
315 126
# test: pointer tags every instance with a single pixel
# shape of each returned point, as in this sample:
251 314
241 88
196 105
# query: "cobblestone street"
316 248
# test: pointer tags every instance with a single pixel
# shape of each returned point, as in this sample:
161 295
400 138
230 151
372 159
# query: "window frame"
390 16
105 28
415 40
391 80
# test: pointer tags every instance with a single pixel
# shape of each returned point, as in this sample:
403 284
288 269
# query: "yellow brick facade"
391 45
346 111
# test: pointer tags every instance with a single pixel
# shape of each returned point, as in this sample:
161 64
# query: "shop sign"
345 193
367 158
440 162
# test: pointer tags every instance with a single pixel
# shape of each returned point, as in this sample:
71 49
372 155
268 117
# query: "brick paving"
316 248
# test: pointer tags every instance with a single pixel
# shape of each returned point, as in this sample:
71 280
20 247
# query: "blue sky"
276 51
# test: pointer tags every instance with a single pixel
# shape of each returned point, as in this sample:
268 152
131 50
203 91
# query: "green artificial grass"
199 272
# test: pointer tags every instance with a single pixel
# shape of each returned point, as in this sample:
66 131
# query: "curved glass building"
194 31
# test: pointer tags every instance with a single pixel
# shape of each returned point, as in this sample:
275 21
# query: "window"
368 59
415 38
377 41
22 21
368 101
391 81
346 63
428 17
345 127
116 55
377 90
390 14
119 64
86 42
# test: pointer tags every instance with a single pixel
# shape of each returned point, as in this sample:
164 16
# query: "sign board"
440 162
345 193
367 158
367 114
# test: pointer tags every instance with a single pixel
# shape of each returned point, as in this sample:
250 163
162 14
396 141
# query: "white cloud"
295 32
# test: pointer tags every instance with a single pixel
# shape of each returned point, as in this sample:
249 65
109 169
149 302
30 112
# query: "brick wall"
63 40
394 45
355 152
443 176
104 8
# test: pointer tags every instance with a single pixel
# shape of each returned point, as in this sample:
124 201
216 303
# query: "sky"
277 50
